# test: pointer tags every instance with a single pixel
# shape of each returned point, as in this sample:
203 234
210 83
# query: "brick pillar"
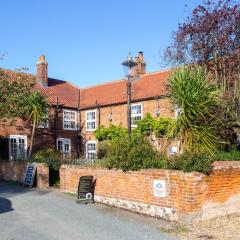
42 175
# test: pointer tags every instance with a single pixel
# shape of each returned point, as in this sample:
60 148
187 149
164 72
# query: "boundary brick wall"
189 196
15 171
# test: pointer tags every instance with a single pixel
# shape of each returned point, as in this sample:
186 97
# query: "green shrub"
162 125
158 126
103 149
134 154
190 162
233 155
145 126
110 133
49 156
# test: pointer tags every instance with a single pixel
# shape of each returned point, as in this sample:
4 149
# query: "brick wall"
189 196
15 171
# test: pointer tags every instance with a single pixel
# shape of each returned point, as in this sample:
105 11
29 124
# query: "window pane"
136 109
69 120
135 119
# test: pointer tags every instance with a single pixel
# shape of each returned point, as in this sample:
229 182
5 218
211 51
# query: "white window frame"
17 137
45 122
64 141
91 120
172 150
177 111
91 151
67 120
136 114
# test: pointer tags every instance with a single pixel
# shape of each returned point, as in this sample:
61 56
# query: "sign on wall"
159 188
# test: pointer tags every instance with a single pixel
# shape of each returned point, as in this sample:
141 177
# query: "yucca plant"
37 109
191 90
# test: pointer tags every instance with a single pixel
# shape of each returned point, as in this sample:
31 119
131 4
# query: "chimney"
140 69
42 71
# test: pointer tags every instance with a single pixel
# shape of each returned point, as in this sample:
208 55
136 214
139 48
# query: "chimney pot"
42 58
140 55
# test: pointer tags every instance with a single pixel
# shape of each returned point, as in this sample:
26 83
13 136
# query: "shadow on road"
5 205
10 189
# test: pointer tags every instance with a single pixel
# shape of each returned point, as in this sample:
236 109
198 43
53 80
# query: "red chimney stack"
42 71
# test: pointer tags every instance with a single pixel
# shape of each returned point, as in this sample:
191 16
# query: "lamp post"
128 65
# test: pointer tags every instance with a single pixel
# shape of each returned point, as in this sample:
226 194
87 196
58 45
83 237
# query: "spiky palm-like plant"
37 109
192 91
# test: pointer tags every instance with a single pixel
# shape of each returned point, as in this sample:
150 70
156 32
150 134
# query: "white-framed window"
45 122
17 147
91 117
64 146
136 113
69 120
91 150
172 150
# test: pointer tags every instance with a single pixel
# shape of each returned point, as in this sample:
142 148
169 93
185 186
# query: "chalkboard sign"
85 189
29 176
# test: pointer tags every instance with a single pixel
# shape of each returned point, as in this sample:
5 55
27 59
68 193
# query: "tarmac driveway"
31 214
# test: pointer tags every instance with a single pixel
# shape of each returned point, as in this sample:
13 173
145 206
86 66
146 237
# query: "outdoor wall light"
110 117
158 112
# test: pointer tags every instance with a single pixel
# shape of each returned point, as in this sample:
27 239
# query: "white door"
17 147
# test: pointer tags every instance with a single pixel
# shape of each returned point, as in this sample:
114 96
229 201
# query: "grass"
176 229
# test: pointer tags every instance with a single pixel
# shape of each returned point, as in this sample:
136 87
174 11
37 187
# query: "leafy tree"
211 37
15 87
191 90
37 109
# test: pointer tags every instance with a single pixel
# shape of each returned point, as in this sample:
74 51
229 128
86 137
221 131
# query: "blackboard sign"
29 176
85 189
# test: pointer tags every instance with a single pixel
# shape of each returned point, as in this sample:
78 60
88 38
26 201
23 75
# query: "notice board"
30 174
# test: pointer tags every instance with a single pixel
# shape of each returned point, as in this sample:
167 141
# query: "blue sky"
85 41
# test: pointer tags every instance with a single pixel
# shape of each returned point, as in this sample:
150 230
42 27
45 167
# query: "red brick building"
76 113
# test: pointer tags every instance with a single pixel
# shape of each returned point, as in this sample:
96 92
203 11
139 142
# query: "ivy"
158 126
110 133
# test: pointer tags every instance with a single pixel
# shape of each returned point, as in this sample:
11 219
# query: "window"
136 114
91 150
177 111
44 123
172 150
69 120
17 147
64 146
91 120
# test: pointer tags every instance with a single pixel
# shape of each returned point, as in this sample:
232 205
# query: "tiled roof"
149 86
66 92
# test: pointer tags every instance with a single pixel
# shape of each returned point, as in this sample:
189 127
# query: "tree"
37 109
210 37
15 87
191 90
